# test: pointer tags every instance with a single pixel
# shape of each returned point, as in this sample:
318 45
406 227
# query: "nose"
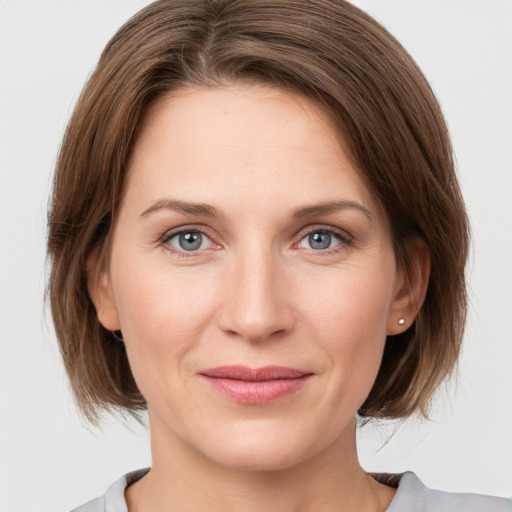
258 300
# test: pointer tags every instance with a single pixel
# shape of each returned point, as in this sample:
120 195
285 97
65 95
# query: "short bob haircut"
389 123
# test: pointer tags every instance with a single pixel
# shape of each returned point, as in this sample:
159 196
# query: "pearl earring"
401 321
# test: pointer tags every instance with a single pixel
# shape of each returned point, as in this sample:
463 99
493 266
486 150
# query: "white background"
49 460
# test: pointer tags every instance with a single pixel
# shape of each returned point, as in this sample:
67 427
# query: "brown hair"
390 124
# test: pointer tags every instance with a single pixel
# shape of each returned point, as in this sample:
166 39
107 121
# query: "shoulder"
96 505
413 495
113 500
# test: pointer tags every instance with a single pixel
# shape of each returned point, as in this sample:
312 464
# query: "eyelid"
344 236
325 228
171 233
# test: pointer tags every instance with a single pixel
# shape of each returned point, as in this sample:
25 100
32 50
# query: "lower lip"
256 392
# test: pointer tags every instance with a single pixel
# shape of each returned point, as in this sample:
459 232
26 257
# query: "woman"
256 233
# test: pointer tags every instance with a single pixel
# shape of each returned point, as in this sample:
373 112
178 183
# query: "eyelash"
345 239
166 238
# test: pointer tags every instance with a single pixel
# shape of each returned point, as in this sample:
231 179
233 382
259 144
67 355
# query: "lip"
255 385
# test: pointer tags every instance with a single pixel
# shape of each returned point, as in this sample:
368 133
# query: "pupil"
190 241
320 240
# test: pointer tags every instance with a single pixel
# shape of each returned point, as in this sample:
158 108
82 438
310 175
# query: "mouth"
255 385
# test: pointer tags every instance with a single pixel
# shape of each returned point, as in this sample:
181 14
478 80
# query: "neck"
182 479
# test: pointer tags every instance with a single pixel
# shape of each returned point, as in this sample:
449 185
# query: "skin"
255 293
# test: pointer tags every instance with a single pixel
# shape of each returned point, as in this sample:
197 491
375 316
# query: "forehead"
242 144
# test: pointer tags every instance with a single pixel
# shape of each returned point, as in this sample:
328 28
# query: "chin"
258 458
263 447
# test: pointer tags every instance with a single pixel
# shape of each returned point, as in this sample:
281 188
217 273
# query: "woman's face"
252 276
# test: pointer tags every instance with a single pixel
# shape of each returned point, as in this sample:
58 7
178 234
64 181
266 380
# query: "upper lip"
240 372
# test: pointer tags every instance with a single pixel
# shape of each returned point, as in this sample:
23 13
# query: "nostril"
270 324
256 306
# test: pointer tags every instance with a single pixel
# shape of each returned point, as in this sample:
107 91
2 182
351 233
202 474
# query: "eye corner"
188 242
327 239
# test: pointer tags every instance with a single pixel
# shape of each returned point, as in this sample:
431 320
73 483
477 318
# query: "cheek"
352 303
349 321
162 315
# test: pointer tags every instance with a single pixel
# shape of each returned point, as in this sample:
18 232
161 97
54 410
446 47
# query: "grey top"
411 496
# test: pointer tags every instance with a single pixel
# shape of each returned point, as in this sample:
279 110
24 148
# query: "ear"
411 287
100 290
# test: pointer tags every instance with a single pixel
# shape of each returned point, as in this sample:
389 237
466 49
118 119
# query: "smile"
255 385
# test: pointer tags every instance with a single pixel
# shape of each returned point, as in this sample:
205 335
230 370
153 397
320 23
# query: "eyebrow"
207 210
330 207
202 209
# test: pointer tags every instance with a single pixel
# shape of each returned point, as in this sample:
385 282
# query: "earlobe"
411 289
100 290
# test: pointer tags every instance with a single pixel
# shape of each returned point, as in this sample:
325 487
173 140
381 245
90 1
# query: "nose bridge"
258 305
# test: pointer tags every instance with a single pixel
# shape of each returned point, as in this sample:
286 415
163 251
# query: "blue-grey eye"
189 241
320 240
